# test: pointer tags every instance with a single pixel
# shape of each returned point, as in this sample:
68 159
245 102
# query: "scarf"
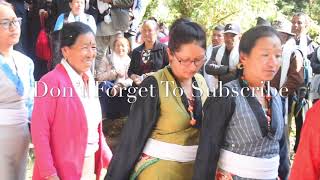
233 58
288 48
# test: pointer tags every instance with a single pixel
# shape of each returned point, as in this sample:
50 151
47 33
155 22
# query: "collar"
156 46
76 79
72 18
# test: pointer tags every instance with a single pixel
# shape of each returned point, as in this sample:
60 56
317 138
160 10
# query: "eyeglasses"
6 23
187 63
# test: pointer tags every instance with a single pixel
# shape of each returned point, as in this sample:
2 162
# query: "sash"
14 78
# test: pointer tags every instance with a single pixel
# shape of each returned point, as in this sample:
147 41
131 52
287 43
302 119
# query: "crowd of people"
222 111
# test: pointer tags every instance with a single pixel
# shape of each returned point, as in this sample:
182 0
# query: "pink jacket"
59 130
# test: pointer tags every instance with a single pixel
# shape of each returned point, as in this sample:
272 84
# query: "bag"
43 50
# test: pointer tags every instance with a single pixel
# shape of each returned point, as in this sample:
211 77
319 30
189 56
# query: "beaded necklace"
268 99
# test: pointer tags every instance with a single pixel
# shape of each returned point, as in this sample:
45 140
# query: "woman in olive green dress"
160 138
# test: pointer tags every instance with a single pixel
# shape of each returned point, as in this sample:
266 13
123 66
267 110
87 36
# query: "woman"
76 14
243 131
163 124
16 97
150 56
66 121
306 163
112 73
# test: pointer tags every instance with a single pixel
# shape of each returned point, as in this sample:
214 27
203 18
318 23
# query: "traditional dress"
158 140
16 103
236 140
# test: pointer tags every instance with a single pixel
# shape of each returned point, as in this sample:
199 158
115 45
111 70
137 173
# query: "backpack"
43 49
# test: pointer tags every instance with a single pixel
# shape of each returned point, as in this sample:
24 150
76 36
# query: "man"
305 44
217 39
300 23
290 75
224 58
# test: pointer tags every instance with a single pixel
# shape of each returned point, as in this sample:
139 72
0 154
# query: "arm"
212 68
142 119
59 23
106 70
306 164
42 118
217 114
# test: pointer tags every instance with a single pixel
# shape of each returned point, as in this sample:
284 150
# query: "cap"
283 26
232 28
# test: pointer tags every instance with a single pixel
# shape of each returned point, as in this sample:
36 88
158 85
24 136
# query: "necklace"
268 100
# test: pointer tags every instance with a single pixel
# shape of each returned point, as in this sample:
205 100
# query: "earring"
240 68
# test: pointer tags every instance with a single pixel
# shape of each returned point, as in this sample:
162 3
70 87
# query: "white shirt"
91 105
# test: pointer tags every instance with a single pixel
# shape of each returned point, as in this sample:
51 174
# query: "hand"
136 79
43 12
55 177
121 73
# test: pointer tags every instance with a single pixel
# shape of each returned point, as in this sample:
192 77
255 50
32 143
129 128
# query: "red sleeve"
307 160
42 117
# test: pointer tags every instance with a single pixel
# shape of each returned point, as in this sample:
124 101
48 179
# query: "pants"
14 143
299 122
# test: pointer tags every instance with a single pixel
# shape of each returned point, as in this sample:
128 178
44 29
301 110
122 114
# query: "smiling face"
9 36
186 62
121 47
81 54
263 62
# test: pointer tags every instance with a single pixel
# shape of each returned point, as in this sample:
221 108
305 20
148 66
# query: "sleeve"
142 119
295 73
92 24
122 3
306 164
106 70
315 62
42 118
212 68
165 58
283 170
217 114
133 68
59 23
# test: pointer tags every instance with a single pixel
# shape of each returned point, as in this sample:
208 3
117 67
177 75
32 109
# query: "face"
9 27
283 37
149 33
217 38
121 47
77 7
263 61
186 62
231 40
81 54
299 24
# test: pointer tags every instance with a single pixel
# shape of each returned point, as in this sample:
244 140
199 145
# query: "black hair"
71 31
183 31
219 28
262 22
249 38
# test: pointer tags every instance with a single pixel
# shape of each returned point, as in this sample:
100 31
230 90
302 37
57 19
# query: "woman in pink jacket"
66 121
